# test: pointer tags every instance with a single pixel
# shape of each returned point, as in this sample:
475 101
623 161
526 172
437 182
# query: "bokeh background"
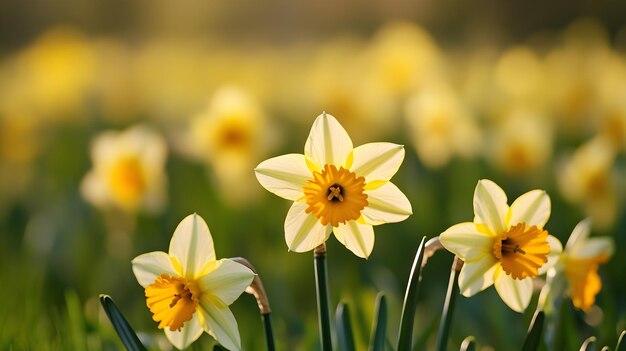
529 94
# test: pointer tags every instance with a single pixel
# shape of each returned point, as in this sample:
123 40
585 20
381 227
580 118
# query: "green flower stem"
405 336
258 291
448 306
321 285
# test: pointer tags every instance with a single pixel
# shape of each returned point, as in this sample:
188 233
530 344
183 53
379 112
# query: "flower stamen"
335 192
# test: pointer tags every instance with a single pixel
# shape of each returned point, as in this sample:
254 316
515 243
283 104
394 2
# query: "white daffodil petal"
192 245
150 265
465 241
220 324
555 251
490 207
386 204
595 247
531 208
189 333
303 232
477 276
516 293
579 235
377 161
227 280
284 175
328 142
357 237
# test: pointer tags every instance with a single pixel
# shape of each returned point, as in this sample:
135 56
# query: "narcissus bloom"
580 261
336 188
128 170
188 291
504 246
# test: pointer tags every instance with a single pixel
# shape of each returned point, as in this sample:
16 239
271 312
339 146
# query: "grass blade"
621 342
379 325
124 330
468 344
344 328
448 306
405 337
533 338
588 344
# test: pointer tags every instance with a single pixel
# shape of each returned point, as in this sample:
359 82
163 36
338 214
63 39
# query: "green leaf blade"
122 327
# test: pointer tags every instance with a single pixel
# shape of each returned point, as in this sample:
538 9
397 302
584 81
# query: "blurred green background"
530 95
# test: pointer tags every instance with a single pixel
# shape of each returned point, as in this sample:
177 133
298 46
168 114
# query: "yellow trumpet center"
583 278
127 179
335 195
522 250
172 300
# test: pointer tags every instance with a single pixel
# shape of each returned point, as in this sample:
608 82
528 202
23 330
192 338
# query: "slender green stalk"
621 342
588 344
469 344
269 331
379 326
405 337
448 306
321 287
345 337
533 339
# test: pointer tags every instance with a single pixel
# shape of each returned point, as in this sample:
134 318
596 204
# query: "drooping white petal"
303 232
555 251
377 161
579 235
465 241
531 208
284 175
477 276
357 237
490 207
189 333
386 204
150 265
328 142
516 293
226 281
220 323
192 245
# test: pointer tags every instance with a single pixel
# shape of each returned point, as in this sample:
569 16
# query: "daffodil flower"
336 188
504 246
188 291
580 262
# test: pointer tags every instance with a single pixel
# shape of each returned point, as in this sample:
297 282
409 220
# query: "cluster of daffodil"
345 190
512 106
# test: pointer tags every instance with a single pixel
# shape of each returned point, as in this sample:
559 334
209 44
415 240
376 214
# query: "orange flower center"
583 278
522 250
172 300
335 195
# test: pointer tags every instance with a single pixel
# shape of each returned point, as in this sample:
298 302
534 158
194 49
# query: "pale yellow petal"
467 242
531 208
284 175
189 333
477 276
220 323
377 161
553 257
303 232
192 245
594 247
328 142
516 293
150 265
579 235
357 237
386 204
490 207
227 281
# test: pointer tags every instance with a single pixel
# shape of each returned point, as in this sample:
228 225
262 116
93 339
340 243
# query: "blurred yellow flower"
53 77
441 127
521 142
587 178
504 246
128 170
519 74
232 136
580 262
188 290
337 188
